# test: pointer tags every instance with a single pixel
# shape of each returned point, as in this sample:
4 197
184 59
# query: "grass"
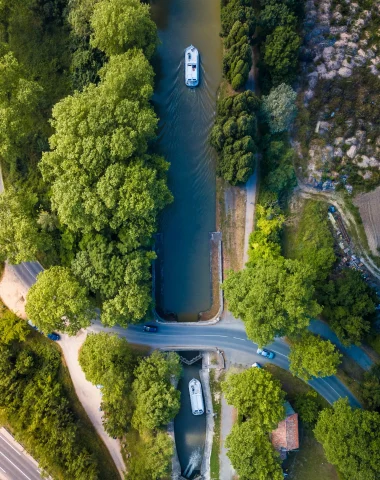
217 407
351 374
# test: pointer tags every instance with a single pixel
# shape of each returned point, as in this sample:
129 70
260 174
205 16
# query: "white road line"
332 388
25 475
237 338
3 470
278 353
17 451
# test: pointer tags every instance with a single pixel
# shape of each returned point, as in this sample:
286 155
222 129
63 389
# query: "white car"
265 353
257 365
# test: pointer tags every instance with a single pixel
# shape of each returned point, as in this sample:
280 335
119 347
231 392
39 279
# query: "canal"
190 430
186 116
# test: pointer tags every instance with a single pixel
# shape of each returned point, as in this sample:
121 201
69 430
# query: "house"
285 437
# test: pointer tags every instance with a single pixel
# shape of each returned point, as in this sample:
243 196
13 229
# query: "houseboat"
196 398
191 66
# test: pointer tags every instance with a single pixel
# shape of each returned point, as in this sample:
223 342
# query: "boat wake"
194 463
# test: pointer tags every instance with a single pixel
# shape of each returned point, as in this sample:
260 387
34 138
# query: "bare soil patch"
369 208
13 292
231 222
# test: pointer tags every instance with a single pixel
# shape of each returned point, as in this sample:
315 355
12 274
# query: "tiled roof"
285 437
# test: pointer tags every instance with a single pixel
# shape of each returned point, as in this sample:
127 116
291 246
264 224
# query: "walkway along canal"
186 116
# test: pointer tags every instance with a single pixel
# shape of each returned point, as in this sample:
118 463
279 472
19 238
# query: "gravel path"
251 187
228 419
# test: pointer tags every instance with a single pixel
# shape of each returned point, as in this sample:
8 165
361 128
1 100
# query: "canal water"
190 430
186 117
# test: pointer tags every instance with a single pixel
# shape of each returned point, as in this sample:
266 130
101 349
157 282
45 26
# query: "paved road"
231 338
228 335
14 464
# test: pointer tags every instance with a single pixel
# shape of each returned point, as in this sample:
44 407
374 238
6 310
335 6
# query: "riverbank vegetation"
138 400
38 403
83 189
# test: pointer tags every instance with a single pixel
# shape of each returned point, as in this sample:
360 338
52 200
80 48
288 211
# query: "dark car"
150 328
54 336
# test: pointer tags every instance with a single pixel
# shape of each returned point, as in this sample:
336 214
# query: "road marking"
17 451
237 338
3 470
278 353
332 388
25 475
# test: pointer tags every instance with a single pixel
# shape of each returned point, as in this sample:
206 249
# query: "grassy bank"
217 407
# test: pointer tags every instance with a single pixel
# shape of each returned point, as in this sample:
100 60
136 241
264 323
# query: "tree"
307 407
252 454
315 242
281 53
20 236
156 400
310 356
279 108
256 395
150 457
273 298
238 10
107 360
370 387
274 15
351 440
119 25
19 101
348 304
58 301
12 328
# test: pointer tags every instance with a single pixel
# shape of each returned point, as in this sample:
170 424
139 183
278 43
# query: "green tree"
252 454
370 387
119 25
156 400
307 407
274 298
276 15
310 356
12 328
351 440
315 242
107 360
19 102
279 108
281 53
58 301
237 10
349 304
257 395
20 236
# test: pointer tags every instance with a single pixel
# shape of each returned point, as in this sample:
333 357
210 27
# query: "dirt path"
228 419
250 206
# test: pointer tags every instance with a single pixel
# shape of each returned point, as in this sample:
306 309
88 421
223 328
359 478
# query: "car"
265 353
257 365
150 328
54 336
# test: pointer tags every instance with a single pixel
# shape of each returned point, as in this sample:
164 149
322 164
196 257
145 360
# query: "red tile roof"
285 437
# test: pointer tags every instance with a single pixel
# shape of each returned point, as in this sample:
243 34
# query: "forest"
82 187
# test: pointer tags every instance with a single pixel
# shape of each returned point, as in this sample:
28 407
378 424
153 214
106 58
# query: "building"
285 438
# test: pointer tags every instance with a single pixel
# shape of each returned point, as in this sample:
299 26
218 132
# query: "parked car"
150 328
257 365
54 336
265 353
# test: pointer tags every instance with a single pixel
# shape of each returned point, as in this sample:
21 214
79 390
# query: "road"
14 463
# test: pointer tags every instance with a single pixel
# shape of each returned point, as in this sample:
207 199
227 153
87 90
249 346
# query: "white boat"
196 398
191 66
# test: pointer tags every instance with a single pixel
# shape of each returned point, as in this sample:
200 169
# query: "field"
369 207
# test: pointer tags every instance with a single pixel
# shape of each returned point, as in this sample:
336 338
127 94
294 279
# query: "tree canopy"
252 454
370 387
279 108
58 301
348 304
156 399
233 136
119 25
273 298
310 356
351 440
257 396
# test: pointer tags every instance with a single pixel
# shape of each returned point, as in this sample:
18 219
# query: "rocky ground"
339 94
